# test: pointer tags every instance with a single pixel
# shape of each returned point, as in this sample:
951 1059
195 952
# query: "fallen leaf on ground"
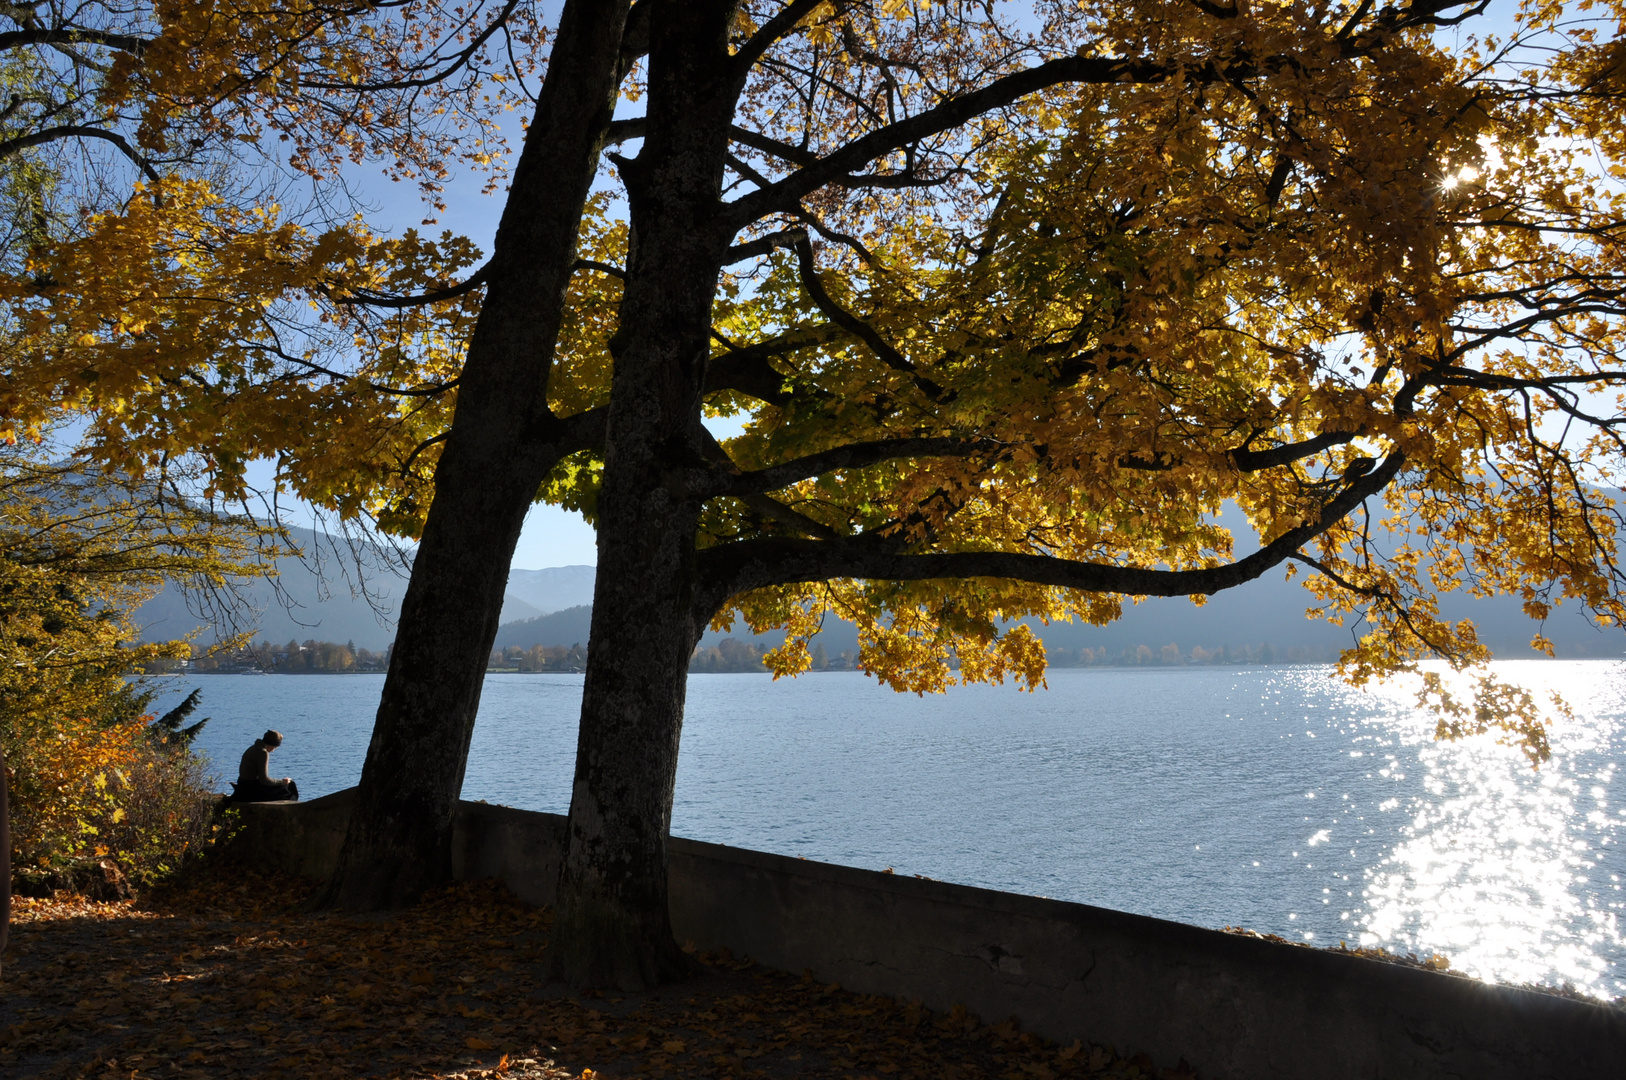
224 976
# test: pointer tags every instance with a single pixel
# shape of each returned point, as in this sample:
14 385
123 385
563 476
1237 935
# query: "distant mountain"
317 601
1269 611
550 607
514 609
553 589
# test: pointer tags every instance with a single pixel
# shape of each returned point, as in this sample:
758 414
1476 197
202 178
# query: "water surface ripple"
1273 798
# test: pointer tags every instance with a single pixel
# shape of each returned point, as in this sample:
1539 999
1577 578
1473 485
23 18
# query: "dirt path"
217 981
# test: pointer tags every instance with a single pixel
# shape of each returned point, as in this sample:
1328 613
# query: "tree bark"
612 927
5 856
502 442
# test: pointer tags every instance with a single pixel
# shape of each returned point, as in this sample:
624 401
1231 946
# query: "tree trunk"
503 441
611 927
5 855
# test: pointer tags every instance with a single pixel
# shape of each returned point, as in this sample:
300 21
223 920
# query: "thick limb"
502 442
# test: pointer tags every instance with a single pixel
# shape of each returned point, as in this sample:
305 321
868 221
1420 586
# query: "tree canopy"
1014 303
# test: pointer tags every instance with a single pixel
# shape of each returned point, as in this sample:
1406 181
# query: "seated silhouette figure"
253 784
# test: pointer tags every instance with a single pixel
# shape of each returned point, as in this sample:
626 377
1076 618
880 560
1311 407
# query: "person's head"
271 739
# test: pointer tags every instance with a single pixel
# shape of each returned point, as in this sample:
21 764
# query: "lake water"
1269 797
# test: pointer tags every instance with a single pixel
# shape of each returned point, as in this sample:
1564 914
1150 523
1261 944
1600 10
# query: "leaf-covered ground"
231 979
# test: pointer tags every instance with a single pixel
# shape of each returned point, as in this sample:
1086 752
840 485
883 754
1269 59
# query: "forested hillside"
1242 622
567 627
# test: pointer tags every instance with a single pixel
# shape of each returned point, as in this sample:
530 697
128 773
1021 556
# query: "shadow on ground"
226 977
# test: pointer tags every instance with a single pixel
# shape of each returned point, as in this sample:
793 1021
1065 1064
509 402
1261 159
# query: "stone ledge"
1237 1008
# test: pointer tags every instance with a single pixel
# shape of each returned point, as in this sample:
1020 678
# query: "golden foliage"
1282 250
68 778
78 553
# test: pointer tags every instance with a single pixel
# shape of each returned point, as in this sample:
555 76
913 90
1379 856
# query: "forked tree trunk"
611 927
502 443
5 854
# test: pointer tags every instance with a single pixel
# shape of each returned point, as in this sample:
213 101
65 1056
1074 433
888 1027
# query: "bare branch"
79 131
621 131
129 43
773 147
452 65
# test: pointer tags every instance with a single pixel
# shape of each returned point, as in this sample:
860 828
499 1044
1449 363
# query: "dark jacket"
255 760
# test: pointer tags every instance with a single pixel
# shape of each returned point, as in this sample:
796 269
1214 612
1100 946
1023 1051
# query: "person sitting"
253 784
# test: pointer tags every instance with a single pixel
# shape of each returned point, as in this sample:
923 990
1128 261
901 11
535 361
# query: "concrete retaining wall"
1235 1008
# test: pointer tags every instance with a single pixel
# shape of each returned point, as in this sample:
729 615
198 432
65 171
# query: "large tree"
1010 300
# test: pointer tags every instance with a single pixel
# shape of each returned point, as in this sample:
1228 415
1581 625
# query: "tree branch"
1254 460
784 238
635 36
451 292
769 508
775 510
453 64
851 323
731 569
746 369
583 431
1006 90
854 456
950 114
71 131
601 267
771 31
129 43
621 131
773 147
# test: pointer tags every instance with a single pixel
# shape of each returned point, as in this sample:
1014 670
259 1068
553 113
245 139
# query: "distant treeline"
538 658
732 655
1171 655
727 656
310 658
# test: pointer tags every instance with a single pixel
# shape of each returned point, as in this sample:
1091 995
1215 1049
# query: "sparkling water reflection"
1513 874
1273 798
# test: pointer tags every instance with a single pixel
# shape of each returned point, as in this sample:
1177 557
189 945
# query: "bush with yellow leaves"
82 788
79 551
